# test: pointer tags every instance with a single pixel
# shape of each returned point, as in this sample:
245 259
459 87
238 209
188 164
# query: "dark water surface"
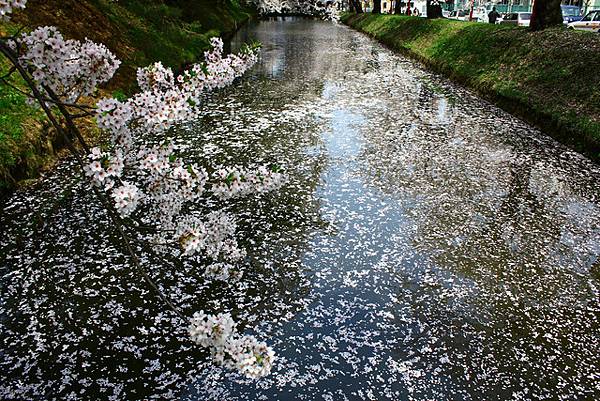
426 245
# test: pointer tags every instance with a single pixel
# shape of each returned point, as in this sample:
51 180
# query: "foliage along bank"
139 32
549 78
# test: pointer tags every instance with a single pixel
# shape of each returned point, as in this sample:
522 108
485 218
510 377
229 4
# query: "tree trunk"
545 13
434 9
377 7
398 7
355 5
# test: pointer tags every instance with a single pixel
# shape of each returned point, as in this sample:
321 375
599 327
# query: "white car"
590 22
461 15
520 19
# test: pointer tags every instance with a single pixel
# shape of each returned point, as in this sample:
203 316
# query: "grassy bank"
549 78
139 32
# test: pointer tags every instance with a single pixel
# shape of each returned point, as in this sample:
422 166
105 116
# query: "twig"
9 73
82 107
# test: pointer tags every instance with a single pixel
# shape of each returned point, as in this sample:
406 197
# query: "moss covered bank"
549 78
139 32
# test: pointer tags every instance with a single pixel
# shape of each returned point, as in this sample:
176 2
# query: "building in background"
502 6
514 6
389 6
588 5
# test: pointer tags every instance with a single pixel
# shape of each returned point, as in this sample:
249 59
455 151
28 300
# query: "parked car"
590 22
461 15
570 14
520 19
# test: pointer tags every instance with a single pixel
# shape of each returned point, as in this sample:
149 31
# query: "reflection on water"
425 246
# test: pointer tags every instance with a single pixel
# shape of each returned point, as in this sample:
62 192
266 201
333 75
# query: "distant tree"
546 13
434 9
376 7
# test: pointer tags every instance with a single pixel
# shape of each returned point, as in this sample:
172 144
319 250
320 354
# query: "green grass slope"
549 78
140 32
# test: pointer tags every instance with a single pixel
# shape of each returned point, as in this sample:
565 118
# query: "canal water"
426 245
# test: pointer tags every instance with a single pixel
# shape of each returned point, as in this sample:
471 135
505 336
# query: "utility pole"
471 12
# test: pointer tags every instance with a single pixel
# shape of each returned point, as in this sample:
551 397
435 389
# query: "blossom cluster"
126 198
169 183
245 353
217 72
155 76
104 167
328 10
7 6
223 272
164 101
70 68
331 12
212 235
138 171
235 181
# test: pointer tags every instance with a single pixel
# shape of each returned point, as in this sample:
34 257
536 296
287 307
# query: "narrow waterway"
426 245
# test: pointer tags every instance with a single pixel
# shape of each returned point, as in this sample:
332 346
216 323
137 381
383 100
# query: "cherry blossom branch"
70 124
168 187
87 109
7 52
114 217
141 270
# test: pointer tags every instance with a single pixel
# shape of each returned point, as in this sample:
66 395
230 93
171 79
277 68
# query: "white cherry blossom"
170 189
7 7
